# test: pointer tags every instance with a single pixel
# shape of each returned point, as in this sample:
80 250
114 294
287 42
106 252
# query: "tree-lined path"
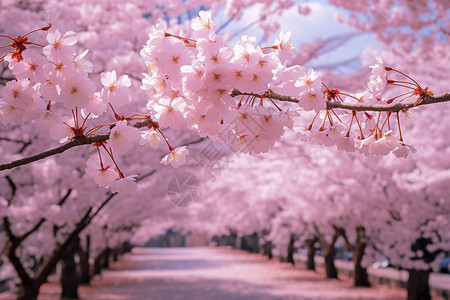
213 273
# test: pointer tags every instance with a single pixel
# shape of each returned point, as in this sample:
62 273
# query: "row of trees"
377 208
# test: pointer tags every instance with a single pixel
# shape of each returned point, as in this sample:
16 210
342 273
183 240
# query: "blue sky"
320 23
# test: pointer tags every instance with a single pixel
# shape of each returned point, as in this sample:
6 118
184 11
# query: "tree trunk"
249 243
107 254
290 250
361 276
243 245
126 247
254 243
233 238
330 268
418 285
69 276
85 276
98 263
267 249
310 263
28 292
115 254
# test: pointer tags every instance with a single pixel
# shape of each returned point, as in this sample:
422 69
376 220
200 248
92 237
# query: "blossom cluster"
53 89
236 94
194 80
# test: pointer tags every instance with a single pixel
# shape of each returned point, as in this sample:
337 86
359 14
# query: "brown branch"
13 188
83 140
356 107
11 247
42 220
389 107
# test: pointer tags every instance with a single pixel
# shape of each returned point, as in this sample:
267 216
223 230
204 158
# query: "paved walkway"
214 274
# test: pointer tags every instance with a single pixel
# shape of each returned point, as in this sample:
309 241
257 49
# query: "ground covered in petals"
214 273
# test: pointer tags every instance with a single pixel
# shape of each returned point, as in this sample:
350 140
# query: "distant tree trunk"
267 249
330 268
106 255
328 254
85 276
290 250
418 285
115 254
361 276
254 243
310 263
243 245
126 247
233 238
98 262
69 276
250 243
28 292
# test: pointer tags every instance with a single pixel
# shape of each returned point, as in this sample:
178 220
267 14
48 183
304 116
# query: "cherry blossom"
177 157
114 90
123 137
103 176
59 46
76 92
150 137
126 185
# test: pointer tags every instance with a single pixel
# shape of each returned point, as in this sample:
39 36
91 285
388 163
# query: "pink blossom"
49 119
123 137
49 91
81 64
19 94
193 76
151 138
59 47
10 113
125 186
176 157
76 91
312 100
286 49
403 150
213 52
115 89
202 25
96 106
378 80
103 176
217 77
62 131
169 112
381 146
172 58
31 67
57 72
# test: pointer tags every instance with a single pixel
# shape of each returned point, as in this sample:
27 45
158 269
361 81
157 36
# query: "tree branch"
83 140
13 188
42 220
356 107
389 107
11 247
